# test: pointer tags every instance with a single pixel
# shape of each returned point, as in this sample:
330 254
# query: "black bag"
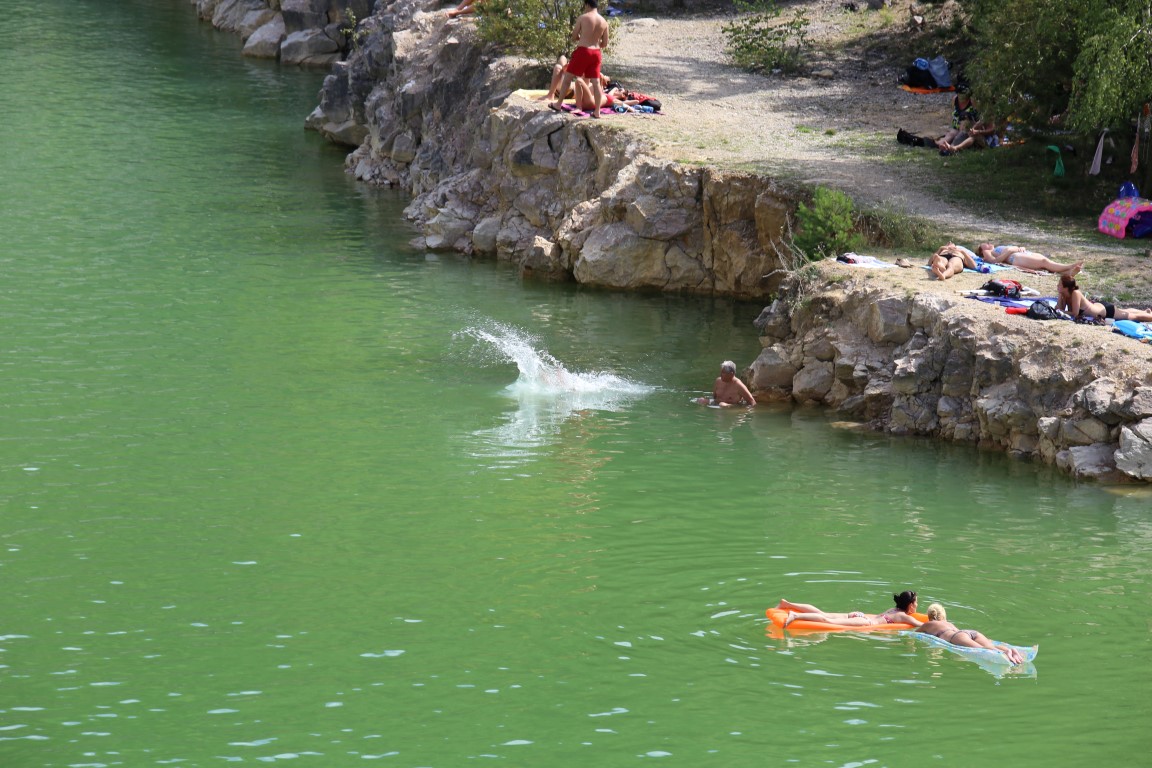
654 103
1009 289
1041 310
915 77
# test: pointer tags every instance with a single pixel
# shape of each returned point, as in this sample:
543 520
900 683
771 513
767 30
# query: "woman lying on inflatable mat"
905 605
939 626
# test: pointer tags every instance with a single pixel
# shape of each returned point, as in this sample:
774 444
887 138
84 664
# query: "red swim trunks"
585 63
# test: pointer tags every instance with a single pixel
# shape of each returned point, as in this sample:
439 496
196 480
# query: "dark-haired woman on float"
905 605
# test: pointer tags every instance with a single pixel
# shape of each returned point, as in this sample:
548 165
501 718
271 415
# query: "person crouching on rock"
591 35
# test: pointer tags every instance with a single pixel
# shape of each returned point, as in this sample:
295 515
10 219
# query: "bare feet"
791 618
554 106
1011 654
784 604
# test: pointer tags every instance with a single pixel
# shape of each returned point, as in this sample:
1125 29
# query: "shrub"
895 228
827 227
537 29
354 34
758 40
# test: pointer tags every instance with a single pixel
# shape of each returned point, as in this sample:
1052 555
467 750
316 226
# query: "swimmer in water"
728 390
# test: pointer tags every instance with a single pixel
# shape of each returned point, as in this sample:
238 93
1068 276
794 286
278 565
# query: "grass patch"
1019 180
895 228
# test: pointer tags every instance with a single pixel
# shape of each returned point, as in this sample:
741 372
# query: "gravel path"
837 130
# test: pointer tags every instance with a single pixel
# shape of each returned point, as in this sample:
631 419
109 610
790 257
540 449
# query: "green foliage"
354 36
758 40
1113 67
828 227
1037 58
537 29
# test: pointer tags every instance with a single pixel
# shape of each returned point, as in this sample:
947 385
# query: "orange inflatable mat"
778 615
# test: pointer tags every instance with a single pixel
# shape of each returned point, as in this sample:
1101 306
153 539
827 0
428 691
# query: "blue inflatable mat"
978 654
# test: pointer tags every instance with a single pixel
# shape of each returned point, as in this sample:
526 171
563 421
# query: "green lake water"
276 487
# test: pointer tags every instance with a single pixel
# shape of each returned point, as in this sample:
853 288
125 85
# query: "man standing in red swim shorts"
591 35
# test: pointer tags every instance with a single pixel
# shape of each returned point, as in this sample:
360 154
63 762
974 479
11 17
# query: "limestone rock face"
915 366
430 108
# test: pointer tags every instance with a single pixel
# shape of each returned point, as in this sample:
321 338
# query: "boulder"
1099 398
253 20
484 235
812 383
914 415
772 370
309 47
1002 413
774 322
403 148
1135 455
265 42
887 320
1083 431
661 218
614 256
1093 462
1137 406
445 229
229 15
301 15
543 261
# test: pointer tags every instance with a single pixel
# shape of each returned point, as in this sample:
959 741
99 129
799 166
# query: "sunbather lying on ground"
951 260
1024 259
1070 299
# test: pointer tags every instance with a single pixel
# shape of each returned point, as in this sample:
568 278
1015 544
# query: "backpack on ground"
1041 310
1009 289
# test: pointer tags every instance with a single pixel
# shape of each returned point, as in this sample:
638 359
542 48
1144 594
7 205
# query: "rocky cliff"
494 173
429 109
939 365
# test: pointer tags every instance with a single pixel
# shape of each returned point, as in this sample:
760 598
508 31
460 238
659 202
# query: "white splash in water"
547 393
543 374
